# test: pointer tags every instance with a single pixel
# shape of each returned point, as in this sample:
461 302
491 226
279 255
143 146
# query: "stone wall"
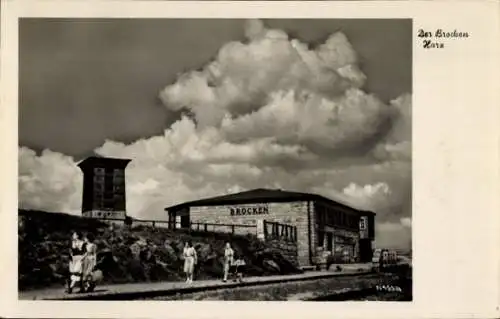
288 250
312 229
291 213
300 214
319 253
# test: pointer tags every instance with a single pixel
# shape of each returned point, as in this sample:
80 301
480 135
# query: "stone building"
104 187
322 225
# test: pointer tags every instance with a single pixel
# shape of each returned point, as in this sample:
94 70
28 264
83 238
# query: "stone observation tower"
104 187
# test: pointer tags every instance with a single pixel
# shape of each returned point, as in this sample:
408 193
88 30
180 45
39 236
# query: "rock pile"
131 254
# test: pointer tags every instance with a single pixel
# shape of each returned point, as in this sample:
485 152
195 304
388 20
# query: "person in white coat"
228 260
190 259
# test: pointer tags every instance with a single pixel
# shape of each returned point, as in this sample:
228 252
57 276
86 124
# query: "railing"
140 222
229 228
199 226
153 223
274 230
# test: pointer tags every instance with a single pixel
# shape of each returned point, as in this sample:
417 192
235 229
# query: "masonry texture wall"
288 250
337 231
313 235
291 213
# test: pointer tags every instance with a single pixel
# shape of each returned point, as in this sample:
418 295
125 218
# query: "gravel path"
108 291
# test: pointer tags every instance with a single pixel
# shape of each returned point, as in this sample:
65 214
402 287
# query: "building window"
98 171
355 222
99 186
108 188
329 218
321 238
118 172
99 180
118 176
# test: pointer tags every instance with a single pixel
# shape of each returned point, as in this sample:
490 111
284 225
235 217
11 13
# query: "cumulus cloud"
266 112
244 74
369 196
406 222
396 235
397 143
48 182
311 120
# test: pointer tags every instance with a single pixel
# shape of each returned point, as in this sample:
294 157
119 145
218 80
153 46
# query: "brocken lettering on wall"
238 211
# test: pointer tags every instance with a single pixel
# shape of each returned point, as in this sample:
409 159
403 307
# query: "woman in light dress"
76 261
190 259
228 260
89 260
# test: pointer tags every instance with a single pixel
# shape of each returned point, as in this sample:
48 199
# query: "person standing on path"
89 260
76 261
184 255
190 259
228 260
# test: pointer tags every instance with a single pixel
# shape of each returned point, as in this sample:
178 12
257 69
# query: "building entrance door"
329 242
185 221
365 250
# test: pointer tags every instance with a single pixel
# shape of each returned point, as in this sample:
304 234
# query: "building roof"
93 161
263 195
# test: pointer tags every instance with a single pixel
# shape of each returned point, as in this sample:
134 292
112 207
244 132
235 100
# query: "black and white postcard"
223 151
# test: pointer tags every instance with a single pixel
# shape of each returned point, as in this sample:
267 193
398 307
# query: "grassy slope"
44 239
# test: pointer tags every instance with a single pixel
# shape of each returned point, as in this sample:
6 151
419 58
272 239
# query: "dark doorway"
185 221
329 241
365 250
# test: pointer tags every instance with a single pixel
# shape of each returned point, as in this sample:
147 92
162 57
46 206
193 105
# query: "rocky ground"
130 254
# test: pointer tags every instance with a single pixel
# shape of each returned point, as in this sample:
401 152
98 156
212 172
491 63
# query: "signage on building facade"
254 210
105 214
363 223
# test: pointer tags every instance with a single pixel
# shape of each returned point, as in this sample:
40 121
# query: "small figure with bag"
237 269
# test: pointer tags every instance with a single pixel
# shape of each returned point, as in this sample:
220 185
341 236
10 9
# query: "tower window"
99 171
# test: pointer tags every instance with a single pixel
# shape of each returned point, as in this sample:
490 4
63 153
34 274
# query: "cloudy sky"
206 107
